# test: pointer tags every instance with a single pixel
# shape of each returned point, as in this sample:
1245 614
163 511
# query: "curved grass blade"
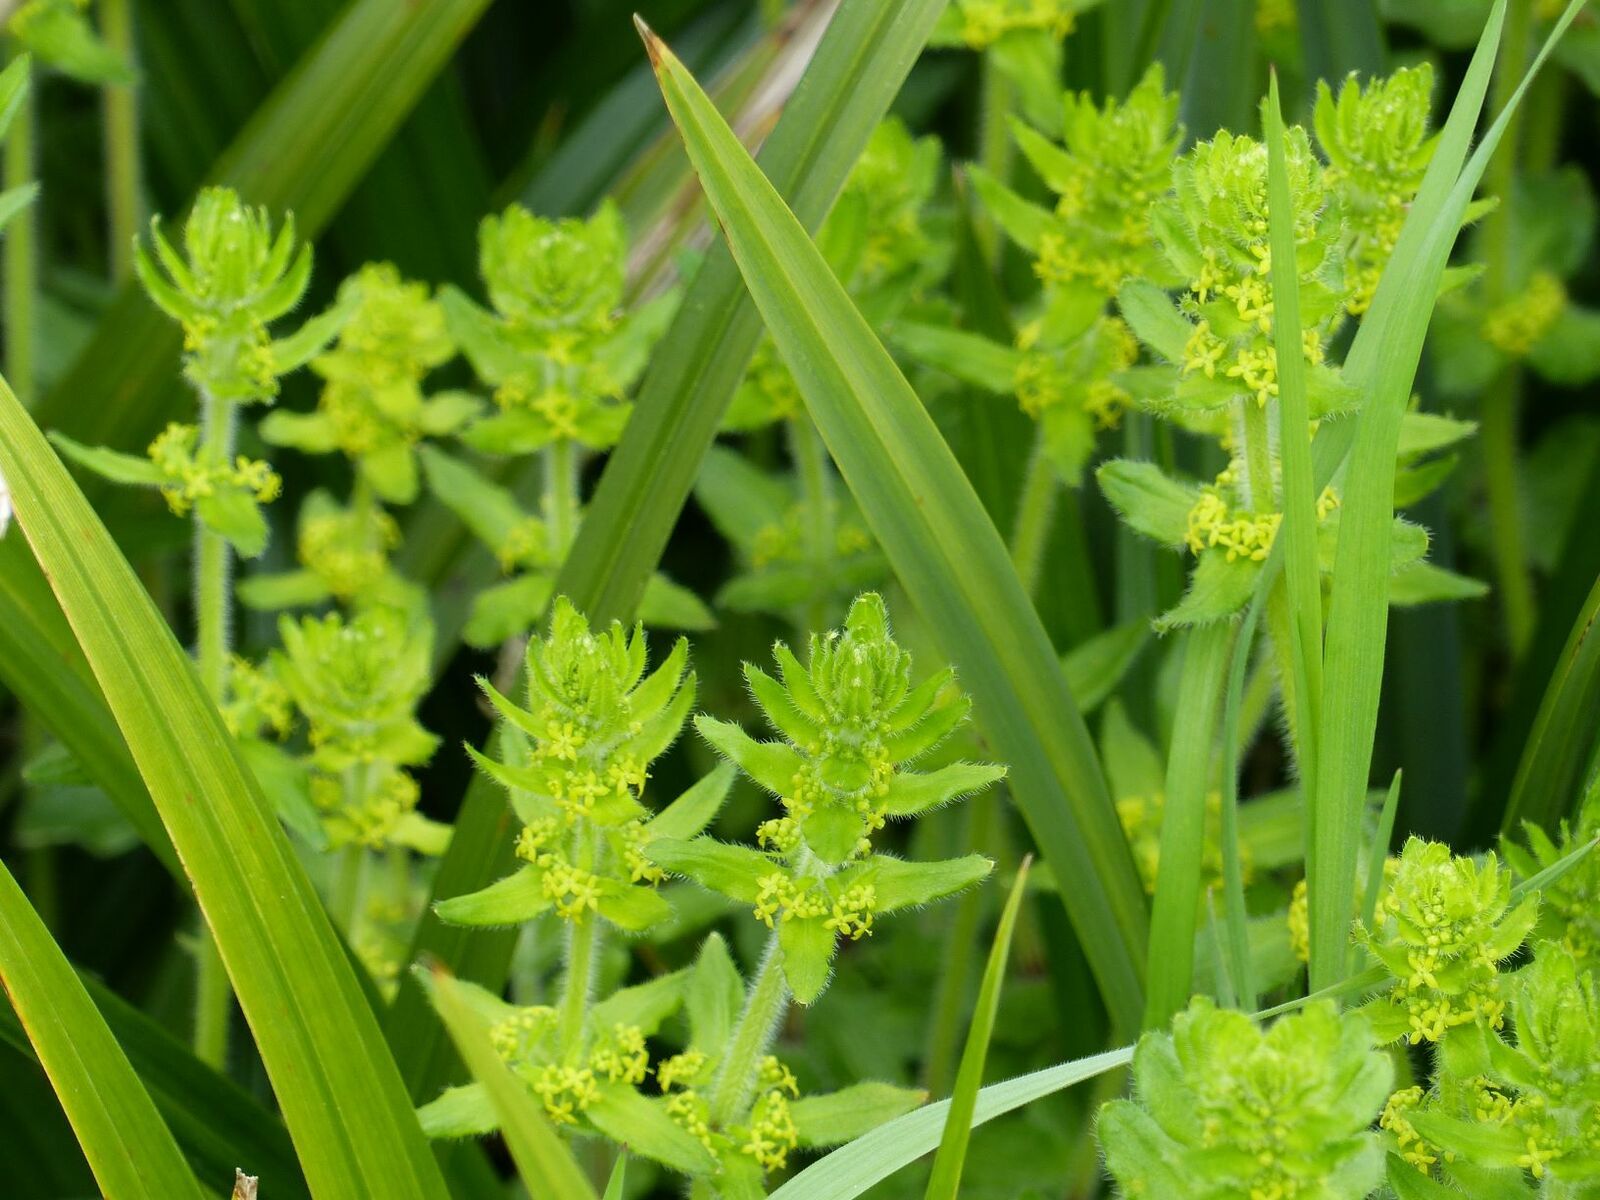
938 538
1177 899
215 1122
858 68
619 1179
334 1079
1382 363
129 1148
856 72
850 1170
1235 919
945 1183
1549 775
305 149
543 1160
44 668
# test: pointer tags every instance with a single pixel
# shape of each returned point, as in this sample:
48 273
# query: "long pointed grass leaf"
350 1119
945 1182
1235 919
1177 899
854 76
129 1147
937 537
852 1169
543 1160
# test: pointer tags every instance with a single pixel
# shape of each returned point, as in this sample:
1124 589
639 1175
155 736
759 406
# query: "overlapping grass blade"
129 1148
1176 906
44 668
854 76
858 69
1235 919
216 1124
851 1170
341 1096
1302 578
1382 364
1562 742
304 149
543 1160
939 540
945 1183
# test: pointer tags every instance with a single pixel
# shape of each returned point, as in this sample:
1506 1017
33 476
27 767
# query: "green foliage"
1443 927
1226 1109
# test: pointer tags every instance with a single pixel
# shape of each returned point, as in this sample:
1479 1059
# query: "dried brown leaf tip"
244 1186
652 44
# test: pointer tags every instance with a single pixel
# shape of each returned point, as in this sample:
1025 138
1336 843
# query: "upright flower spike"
578 760
358 683
556 348
1569 906
852 722
234 278
1443 927
372 407
1224 1109
344 556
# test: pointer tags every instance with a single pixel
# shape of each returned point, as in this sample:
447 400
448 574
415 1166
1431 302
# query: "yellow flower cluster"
188 477
1518 324
1243 535
1047 378
1396 1119
571 889
782 899
984 22
255 700
370 819
618 1056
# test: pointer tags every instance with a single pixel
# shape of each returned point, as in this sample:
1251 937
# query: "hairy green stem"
21 256
764 1006
1035 512
213 614
124 186
1498 432
577 986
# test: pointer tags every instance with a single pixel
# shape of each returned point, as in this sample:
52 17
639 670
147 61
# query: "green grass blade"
1380 850
304 149
615 1189
1302 575
858 68
1177 900
1549 775
543 1160
44 668
945 1183
851 1170
853 77
1235 919
216 1124
129 1148
937 537
1382 364
335 1081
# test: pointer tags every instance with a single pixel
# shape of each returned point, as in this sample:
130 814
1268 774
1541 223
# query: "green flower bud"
1225 1110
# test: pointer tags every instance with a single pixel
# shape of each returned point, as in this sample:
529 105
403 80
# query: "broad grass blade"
335 1081
937 537
129 1148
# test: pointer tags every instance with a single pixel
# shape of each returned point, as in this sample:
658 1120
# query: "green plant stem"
583 939
1035 511
1498 432
764 1006
213 614
561 495
22 257
1258 456
124 190
816 502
